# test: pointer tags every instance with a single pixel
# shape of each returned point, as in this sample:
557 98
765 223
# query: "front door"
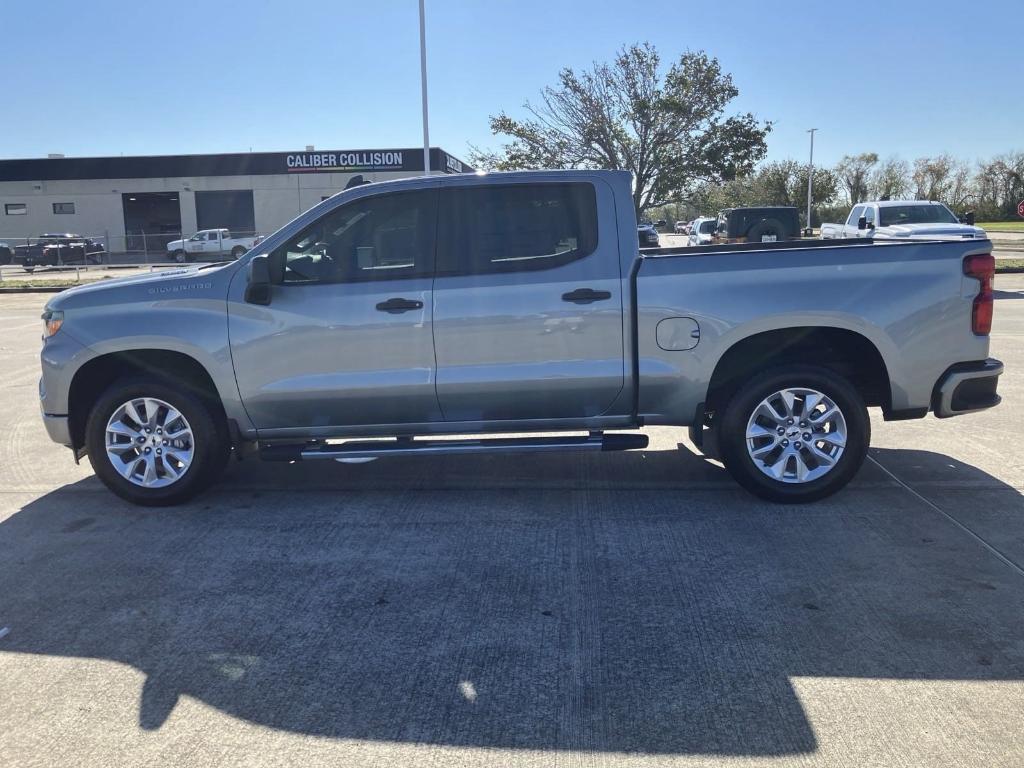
527 302
347 339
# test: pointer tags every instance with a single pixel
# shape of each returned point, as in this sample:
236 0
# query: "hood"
169 283
958 231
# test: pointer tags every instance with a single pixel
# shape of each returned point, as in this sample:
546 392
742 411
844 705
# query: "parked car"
646 234
702 232
210 244
418 308
661 224
53 250
903 219
6 254
682 228
767 224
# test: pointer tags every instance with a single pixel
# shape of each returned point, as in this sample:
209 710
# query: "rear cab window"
515 227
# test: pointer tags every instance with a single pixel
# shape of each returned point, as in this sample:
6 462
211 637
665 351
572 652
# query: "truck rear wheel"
796 434
154 444
237 252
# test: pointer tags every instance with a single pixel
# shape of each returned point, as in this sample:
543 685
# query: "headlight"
52 321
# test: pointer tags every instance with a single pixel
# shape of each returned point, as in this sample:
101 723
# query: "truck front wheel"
180 256
796 434
154 444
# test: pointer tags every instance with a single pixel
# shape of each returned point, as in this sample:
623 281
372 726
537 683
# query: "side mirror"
862 222
968 219
257 289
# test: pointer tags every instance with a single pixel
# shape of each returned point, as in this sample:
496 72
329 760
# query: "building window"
15 209
63 207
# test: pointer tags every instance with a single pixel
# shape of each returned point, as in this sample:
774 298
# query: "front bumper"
966 388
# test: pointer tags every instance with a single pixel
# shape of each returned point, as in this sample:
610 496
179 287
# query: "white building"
136 202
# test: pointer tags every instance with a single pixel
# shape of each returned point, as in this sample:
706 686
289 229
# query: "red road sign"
1020 208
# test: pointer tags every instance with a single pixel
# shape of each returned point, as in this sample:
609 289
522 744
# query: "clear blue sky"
98 78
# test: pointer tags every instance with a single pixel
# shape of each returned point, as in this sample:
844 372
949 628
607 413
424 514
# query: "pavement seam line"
962 526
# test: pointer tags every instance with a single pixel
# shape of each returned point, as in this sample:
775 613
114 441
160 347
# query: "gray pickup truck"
430 315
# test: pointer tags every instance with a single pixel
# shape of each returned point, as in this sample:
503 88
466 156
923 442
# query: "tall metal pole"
423 84
810 179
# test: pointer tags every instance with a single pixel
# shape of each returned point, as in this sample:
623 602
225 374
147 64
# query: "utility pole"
423 87
810 179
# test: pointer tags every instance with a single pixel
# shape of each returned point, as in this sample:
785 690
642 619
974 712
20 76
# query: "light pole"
810 179
423 88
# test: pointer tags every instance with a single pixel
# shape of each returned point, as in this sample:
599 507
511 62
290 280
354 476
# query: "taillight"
982 267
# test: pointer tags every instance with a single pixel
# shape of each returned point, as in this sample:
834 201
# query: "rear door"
527 302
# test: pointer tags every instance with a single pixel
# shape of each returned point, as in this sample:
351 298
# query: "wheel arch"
95 375
846 352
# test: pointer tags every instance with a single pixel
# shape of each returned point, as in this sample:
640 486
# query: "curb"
40 289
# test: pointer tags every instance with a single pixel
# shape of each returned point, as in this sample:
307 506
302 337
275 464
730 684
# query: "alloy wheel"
149 442
796 435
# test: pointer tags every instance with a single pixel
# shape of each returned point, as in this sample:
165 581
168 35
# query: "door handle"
397 306
586 296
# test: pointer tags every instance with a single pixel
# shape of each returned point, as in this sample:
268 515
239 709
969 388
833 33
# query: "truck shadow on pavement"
630 603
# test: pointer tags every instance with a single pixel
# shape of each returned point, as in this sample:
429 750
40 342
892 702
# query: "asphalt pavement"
546 610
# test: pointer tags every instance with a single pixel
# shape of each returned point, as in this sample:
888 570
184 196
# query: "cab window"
516 227
383 237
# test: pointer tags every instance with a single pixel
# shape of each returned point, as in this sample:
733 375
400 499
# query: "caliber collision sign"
344 161
1020 208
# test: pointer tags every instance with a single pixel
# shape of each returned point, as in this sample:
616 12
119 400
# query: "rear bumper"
966 388
58 429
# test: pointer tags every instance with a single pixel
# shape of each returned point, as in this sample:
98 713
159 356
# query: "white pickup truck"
208 244
913 219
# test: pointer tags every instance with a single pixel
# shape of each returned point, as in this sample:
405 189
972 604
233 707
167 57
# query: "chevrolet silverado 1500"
395 314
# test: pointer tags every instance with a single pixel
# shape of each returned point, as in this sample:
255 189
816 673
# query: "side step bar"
371 449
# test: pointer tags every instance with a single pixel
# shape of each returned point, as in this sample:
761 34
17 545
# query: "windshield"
916 214
707 227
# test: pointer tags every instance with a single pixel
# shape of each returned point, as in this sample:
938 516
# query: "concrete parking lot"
576 610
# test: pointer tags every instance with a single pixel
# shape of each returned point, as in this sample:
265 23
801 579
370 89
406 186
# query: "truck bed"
910 300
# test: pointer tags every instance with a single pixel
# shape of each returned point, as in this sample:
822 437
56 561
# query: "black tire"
766 227
211 448
732 430
181 257
238 252
30 270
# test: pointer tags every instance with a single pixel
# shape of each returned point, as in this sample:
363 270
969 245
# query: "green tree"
999 186
890 180
942 178
854 172
668 128
780 182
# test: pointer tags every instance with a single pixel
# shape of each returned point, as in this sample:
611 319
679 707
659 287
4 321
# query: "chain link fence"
57 251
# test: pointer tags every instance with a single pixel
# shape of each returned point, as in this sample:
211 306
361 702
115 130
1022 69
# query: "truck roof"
893 203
